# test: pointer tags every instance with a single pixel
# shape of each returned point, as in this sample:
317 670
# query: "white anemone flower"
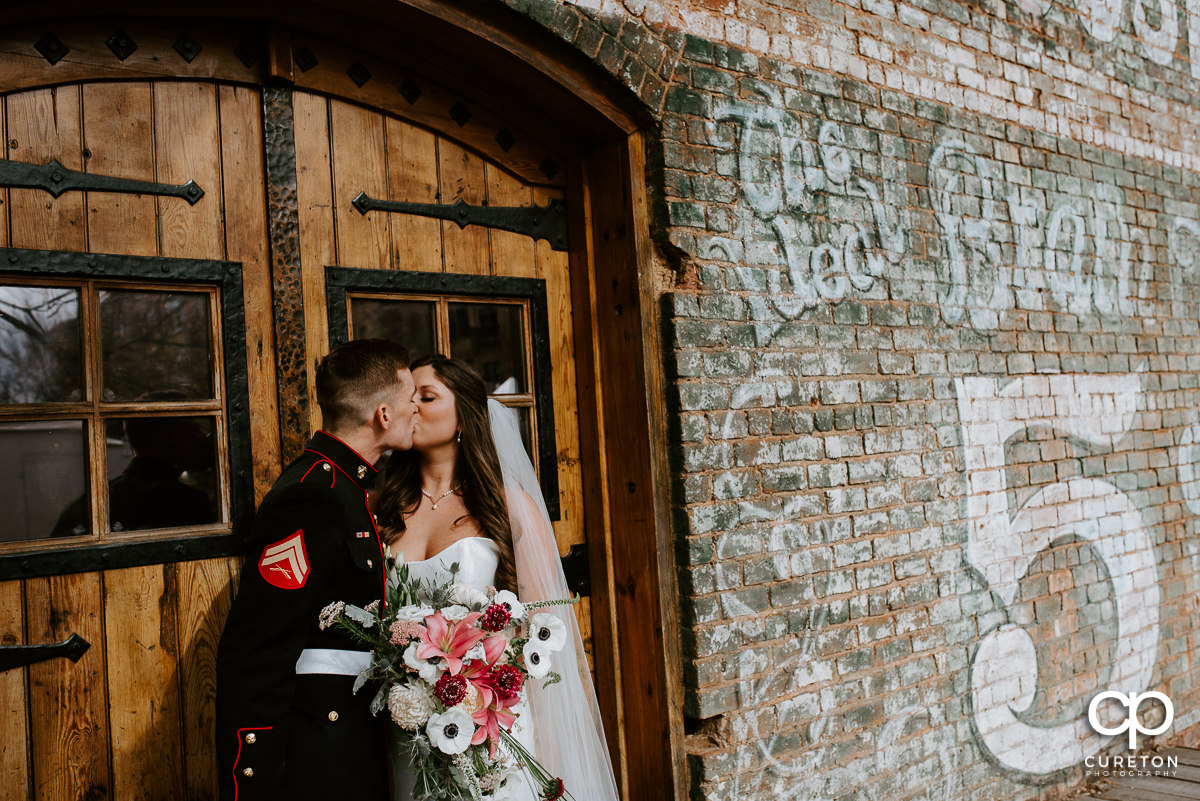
506 598
451 731
427 669
537 659
548 630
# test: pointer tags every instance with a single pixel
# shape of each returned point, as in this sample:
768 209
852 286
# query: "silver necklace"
433 502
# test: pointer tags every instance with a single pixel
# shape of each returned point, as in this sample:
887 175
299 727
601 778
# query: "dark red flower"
553 790
450 690
495 618
507 681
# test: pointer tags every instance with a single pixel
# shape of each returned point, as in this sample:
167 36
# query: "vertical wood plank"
511 254
287 280
118 141
68 711
14 733
413 178
246 242
359 165
42 125
5 206
462 177
203 608
143 683
314 193
187 147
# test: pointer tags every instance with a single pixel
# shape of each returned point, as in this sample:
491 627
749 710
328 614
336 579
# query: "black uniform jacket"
282 735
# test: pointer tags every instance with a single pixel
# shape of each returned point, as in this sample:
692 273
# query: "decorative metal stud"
549 168
460 113
304 58
51 48
187 48
359 73
505 139
410 91
247 52
122 45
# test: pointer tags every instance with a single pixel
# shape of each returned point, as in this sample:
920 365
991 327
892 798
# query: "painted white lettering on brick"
1094 408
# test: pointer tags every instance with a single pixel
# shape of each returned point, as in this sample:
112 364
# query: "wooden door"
133 717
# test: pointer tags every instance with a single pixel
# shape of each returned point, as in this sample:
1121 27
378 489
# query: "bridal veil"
568 731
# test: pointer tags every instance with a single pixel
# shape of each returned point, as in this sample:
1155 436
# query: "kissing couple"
414 463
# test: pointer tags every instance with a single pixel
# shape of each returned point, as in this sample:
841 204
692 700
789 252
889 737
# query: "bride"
467 494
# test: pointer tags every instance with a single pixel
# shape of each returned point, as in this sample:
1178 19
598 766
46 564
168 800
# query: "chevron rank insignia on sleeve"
285 563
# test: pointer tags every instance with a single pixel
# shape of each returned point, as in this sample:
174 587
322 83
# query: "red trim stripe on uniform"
332 477
239 755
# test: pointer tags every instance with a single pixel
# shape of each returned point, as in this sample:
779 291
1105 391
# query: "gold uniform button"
325 466
333 716
248 772
370 563
251 738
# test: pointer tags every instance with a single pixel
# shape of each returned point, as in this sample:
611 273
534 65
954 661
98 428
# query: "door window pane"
490 337
39 345
408 322
155 341
162 472
42 480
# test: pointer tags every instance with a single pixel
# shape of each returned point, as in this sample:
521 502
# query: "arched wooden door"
181 244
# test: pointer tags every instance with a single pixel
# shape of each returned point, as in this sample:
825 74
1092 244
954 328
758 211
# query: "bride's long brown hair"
476 470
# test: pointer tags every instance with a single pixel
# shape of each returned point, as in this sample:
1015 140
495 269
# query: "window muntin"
104 359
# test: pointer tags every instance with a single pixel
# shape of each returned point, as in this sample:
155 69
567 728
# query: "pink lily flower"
490 719
449 641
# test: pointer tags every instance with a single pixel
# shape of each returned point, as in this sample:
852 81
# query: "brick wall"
935 348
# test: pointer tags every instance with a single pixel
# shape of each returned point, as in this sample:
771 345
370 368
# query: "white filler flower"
549 631
410 705
451 731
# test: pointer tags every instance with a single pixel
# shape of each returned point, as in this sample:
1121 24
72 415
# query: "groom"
288 724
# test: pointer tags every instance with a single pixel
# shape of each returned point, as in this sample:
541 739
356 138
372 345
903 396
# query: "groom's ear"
382 417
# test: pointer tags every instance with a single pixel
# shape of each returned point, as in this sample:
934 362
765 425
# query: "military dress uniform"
288 724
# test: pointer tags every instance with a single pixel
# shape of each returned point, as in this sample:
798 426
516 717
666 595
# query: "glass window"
491 335
40 345
410 322
110 410
43 479
155 341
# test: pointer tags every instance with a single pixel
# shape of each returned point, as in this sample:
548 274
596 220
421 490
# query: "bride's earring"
459 437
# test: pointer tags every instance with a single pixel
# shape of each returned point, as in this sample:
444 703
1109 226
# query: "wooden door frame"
618 343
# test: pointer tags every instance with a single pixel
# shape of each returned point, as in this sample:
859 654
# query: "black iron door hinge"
56 179
547 222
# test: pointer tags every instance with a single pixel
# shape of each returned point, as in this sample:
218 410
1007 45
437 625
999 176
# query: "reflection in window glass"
162 472
155 341
490 338
408 322
39 345
42 480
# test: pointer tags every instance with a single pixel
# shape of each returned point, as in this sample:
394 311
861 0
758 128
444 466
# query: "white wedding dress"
560 724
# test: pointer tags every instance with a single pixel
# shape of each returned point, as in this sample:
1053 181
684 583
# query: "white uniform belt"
333 661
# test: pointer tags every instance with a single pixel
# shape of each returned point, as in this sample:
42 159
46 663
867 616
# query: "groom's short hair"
355 377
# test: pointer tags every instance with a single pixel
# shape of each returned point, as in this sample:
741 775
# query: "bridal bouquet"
452 663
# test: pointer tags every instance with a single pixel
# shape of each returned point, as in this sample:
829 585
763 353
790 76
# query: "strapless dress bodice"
477 558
